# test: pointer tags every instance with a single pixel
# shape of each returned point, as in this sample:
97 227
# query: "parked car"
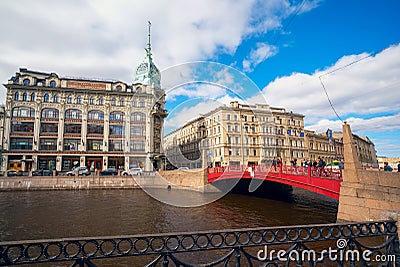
83 170
14 173
132 171
42 173
109 171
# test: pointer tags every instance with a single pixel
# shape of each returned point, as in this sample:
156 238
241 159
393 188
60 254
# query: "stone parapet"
364 194
66 182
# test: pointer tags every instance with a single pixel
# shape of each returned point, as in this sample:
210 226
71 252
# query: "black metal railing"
342 244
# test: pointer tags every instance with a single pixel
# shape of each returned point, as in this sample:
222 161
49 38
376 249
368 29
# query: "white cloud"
258 55
376 124
106 38
370 86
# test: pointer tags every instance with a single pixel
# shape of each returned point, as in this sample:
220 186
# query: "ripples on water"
56 214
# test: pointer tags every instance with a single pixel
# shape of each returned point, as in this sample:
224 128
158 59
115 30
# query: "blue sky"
282 46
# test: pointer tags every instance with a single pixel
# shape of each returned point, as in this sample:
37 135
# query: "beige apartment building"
227 135
321 146
253 134
53 122
238 134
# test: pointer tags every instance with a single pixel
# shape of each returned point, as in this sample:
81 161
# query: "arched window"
79 100
33 97
138 117
55 98
50 113
96 115
91 100
74 114
46 98
24 97
24 112
138 89
69 99
52 83
118 88
121 102
26 82
117 116
141 104
16 96
113 101
101 101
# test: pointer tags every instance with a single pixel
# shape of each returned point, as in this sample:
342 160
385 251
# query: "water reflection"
56 214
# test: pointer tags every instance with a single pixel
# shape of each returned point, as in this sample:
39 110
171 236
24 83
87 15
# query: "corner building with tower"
56 123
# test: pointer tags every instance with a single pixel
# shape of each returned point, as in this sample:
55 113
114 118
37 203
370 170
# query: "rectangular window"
138 130
117 130
95 144
228 116
71 144
49 127
95 129
138 145
115 145
22 127
72 128
21 143
48 144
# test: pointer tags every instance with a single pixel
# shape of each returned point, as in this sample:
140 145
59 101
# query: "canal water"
58 214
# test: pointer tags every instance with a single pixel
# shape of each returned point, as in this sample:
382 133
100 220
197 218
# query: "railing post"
396 250
237 257
165 261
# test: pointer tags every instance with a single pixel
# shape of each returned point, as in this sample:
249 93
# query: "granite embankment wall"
179 179
364 194
66 182
186 178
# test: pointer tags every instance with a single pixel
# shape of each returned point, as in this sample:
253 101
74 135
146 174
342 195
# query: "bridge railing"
341 244
309 171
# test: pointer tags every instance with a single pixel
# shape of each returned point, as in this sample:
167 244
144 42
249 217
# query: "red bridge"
324 181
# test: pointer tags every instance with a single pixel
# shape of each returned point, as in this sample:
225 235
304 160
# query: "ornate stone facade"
56 123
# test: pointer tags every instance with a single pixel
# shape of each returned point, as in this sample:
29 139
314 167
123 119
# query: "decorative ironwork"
244 247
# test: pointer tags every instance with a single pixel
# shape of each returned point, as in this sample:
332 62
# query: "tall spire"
147 73
148 49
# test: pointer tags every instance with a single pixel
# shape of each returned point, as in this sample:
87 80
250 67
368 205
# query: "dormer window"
53 84
26 82
138 89
118 88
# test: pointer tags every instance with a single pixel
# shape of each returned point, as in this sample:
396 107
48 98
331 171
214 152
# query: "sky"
277 52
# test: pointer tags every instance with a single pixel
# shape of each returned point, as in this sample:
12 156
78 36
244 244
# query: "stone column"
106 127
82 161
84 127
